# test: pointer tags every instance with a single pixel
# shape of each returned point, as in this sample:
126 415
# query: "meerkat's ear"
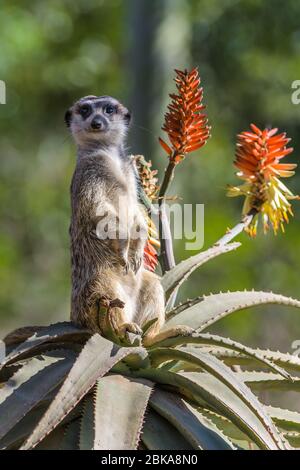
68 117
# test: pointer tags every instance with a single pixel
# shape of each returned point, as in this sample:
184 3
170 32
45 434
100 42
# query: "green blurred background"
53 52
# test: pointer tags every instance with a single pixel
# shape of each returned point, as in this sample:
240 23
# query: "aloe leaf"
159 434
53 440
70 440
19 432
15 437
268 381
95 360
196 429
219 370
224 424
120 406
285 419
87 425
19 335
287 361
216 306
206 338
293 438
30 384
8 371
177 275
183 306
236 408
58 331
208 391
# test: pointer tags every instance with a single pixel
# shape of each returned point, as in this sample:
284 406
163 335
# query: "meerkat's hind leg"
150 312
152 308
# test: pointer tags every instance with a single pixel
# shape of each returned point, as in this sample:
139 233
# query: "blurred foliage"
56 51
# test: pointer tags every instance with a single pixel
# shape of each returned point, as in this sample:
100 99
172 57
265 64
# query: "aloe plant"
62 387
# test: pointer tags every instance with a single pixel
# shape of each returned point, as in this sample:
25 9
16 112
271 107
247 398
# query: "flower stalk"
187 130
167 259
237 229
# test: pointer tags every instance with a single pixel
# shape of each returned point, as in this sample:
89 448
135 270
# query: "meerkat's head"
96 120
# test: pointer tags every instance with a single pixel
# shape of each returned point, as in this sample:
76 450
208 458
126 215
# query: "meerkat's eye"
85 110
109 109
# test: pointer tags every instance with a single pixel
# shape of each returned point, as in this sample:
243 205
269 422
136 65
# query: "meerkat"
108 272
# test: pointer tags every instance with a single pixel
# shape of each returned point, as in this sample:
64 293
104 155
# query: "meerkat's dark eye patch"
85 110
109 109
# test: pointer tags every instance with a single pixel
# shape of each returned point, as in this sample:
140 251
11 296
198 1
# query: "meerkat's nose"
98 123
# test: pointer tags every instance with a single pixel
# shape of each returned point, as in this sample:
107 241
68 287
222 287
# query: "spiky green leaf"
120 406
177 275
159 434
53 440
226 343
293 438
87 425
287 361
285 419
183 306
224 424
268 381
63 331
207 391
219 370
15 437
217 306
70 440
30 384
194 428
96 359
